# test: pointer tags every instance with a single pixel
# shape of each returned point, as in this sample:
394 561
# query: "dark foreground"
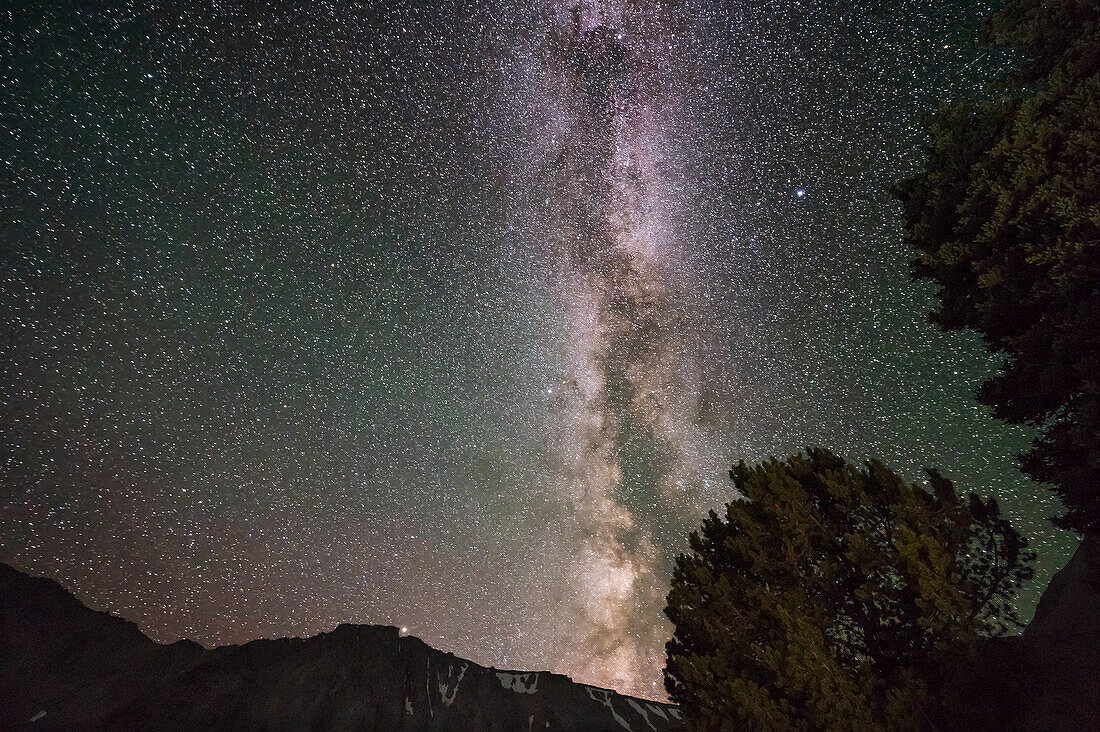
70 668
65 667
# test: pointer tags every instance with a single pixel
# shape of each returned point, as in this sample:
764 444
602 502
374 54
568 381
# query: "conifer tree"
836 598
1005 220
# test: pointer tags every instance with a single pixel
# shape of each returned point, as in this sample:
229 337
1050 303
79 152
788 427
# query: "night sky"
454 317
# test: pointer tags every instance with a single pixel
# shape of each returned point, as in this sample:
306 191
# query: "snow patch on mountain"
519 683
604 696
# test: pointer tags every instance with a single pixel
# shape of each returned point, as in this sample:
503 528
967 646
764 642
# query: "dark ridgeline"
89 670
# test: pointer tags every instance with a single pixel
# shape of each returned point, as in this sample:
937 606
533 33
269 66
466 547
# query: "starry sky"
454 316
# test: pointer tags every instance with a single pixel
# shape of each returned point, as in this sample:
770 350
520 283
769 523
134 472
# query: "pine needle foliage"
836 598
1005 220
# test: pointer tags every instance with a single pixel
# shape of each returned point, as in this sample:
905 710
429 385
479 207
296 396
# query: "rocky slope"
1048 678
66 667
1060 648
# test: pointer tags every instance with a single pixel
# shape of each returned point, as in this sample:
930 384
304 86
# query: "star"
275 331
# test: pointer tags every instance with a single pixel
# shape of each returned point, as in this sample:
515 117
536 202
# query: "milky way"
453 317
630 382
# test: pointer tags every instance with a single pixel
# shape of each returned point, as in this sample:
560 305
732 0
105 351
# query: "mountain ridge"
65 666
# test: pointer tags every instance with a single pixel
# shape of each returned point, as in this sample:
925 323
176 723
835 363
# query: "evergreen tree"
1006 221
836 598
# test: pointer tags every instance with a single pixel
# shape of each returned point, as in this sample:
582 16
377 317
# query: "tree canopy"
833 597
1005 220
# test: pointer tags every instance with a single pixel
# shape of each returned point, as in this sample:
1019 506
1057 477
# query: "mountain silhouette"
64 666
